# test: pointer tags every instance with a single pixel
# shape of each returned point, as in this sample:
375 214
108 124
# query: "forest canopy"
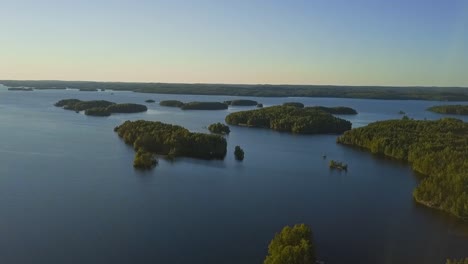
219 128
100 107
450 109
437 149
171 140
290 119
293 245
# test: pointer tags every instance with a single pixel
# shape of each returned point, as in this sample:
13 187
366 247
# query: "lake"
69 193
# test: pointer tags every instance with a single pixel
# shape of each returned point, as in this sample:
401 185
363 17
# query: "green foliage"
450 109
144 160
171 103
127 108
294 104
292 246
84 105
238 153
367 92
67 102
219 128
290 119
338 165
171 140
437 149
204 106
457 261
97 111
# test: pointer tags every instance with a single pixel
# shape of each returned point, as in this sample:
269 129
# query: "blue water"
69 193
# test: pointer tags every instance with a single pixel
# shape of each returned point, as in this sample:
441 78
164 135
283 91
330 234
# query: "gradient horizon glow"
399 42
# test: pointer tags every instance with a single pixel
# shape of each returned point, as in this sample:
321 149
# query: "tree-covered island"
99 107
436 149
204 106
170 140
290 119
450 109
150 101
219 128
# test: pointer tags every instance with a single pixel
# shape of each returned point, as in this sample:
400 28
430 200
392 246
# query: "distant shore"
261 90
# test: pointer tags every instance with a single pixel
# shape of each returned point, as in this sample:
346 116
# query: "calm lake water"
69 193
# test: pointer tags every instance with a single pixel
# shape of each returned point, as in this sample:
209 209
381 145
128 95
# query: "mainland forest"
436 149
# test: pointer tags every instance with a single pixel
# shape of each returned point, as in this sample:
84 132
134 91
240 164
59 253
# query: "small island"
22 89
97 111
450 109
401 112
294 104
338 165
219 128
204 106
99 107
290 119
170 140
259 105
436 149
150 101
241 102
239 153
127 108
171 103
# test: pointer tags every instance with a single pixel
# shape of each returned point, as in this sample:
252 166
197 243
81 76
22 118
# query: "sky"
341 42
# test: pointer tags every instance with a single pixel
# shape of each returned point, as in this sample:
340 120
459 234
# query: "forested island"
100 107
241 102
239 153
194 105
436 149
290 119
338 165
150 101
450 109
171 140
171 103
204 106
219 128
364 92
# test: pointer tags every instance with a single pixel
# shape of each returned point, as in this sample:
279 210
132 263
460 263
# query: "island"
290 119
127 108
204 106
171 103
294 104
23 89
436 149
259 105
241 102
239 153
171 140
338 165
97 111
450 109
99 107
150 101
219 128
401 112
261 90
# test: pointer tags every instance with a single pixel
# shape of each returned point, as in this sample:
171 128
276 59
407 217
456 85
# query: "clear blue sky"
359 42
